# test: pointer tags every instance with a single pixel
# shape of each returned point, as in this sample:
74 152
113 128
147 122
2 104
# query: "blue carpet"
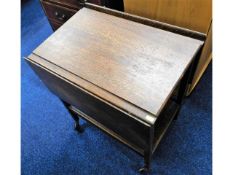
49 145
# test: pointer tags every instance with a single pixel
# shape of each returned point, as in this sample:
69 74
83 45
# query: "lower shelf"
106 130
164 121
160 128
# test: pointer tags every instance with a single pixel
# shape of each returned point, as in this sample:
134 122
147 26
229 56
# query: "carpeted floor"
49 144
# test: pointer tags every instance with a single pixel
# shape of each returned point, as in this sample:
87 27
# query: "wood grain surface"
92 90
134 62
205 58
192 14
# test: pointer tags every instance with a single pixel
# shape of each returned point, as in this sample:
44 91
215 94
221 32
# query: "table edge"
120 104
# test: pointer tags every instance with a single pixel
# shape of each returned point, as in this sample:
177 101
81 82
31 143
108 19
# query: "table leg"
77 125
147 164
148 153
188 76
75 116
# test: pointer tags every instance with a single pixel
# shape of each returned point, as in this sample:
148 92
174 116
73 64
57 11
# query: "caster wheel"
78 128
144 170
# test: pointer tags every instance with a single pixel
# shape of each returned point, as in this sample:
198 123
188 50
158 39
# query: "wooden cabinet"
59 11
191 14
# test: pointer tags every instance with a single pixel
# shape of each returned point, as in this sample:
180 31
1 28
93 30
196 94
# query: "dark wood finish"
98 92
163 121
120 123
54 24
143 71
73 4
61 10
126 78
57 13
75 116
113 4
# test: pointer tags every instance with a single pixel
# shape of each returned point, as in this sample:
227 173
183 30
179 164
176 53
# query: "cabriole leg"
77 125
75 116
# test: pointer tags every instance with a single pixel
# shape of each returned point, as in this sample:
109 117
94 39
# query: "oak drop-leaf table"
125 77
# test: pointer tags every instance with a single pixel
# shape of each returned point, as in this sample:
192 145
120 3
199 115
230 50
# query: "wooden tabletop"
133 62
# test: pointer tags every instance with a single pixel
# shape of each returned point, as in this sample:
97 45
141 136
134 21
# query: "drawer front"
75 3
57 13
55 25
119 123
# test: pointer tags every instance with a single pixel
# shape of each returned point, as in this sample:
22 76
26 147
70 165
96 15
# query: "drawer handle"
56 14
60 17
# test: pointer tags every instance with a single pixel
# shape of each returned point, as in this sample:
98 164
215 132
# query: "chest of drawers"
59 11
